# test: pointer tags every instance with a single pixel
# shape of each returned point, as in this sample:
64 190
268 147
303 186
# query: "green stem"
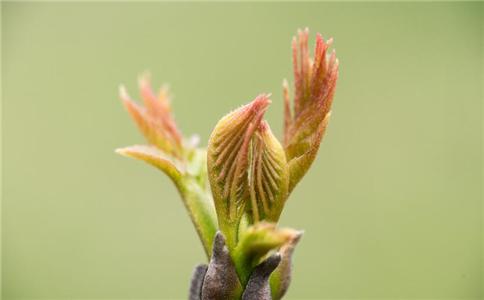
199 205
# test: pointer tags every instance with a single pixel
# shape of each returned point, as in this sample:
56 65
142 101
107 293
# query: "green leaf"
153 156
228 164
256 243
269 176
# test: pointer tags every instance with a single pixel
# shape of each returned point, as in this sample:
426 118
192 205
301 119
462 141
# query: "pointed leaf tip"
154 119
314 84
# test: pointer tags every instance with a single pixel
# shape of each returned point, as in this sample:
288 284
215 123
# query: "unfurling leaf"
228 163
156 158
243 178
314 84
154 120
256 243
269 176
304 152
176 157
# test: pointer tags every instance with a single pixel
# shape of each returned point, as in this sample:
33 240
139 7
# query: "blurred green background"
392 207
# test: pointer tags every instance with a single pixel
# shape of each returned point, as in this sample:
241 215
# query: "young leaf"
180 159
269 176
154 120
256 243
156 158
315 84
228 163
304 152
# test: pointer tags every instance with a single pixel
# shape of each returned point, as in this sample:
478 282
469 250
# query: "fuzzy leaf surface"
153 156
269 176
228 163
314 88
256 243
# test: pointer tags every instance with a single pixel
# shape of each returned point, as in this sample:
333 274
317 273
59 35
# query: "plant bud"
258 241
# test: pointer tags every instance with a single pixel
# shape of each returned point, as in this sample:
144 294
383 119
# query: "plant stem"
200 208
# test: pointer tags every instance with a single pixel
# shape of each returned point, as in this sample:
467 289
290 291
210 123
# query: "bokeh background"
392 207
